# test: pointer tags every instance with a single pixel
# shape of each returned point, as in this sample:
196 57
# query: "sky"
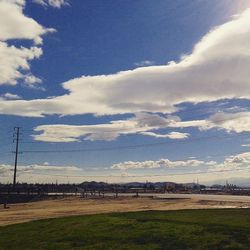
123 91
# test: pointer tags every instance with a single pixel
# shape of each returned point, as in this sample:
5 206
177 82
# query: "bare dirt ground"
23 212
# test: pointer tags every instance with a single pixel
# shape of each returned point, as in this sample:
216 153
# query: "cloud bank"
7 170
217 68
230 163
162 163
235 166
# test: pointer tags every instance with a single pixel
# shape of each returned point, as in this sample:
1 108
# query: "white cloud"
144 63
31 80
15 25
171 135
142 123
41 173
231 122
14 60
217 68
235 166
52 3
245 145
6 169
162 163
233 162
10 96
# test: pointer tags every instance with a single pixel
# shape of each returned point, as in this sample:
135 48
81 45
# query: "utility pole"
16 138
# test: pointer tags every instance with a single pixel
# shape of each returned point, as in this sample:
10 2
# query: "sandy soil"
24 212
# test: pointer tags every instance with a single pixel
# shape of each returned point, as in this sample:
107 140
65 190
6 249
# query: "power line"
124 147
179 141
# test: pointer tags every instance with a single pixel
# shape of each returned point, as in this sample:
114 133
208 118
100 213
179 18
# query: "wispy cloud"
9 96
52 3
144 63
171 135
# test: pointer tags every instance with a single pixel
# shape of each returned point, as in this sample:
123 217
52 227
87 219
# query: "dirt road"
23 212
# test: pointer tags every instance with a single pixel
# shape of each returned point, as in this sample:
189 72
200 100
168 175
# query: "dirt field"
23 212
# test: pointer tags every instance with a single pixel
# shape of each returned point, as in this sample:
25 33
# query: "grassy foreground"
187 229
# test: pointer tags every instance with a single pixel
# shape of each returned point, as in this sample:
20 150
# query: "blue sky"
126 88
